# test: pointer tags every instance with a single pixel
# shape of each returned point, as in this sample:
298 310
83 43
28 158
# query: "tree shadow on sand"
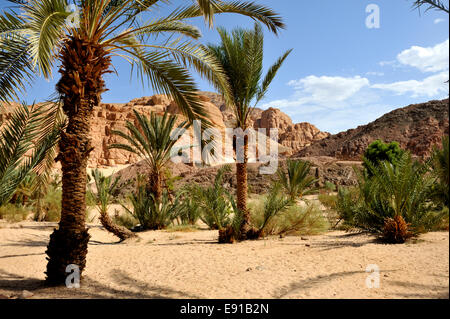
90 288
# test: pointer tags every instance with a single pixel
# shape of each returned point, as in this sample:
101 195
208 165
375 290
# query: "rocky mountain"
417 128
108 117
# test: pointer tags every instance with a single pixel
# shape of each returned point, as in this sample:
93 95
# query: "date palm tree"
151 139
35 34
241 57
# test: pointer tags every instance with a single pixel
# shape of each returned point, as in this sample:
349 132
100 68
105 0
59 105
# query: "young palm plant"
27 130
297 180
241 57
35 34
106 188
152 139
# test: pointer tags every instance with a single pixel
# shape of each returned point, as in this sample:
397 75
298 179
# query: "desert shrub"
126 220
348 205
329 201
378 152
14 212
401 190
273 204
51 204
286 218
330 187
151 214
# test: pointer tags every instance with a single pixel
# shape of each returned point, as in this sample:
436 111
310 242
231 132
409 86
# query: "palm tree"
106 188
25 131
152 139
297 180
241 57
431 4
36 33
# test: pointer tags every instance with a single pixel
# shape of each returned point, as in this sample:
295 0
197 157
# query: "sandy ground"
192 265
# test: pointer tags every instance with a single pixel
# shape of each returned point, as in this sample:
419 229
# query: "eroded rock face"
294 136
108 117
417 128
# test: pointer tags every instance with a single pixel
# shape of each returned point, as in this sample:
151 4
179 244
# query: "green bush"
378 152
401 190
190 212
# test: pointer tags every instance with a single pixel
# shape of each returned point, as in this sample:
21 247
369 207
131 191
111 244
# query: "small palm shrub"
151 213
390 191
214 203
106 187
190 212
296 179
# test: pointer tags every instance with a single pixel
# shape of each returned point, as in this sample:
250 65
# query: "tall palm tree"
241 57
36 33
151 139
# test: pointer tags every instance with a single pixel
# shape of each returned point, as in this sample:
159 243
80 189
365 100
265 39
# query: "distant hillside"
416 127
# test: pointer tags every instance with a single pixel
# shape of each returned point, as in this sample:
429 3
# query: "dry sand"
192 265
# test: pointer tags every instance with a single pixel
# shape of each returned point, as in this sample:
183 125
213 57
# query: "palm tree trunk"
80 86
155 184
120 231
242 190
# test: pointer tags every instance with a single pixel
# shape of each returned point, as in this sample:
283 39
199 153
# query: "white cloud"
430 86
375 73
439 20
328 89
431 59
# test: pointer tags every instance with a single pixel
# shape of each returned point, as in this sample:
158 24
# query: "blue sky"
340 74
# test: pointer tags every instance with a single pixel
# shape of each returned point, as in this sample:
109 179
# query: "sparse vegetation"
296 180
392 191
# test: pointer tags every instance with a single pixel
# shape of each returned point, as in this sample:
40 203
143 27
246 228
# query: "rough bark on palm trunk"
120 231
242 189
155 184
80 87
